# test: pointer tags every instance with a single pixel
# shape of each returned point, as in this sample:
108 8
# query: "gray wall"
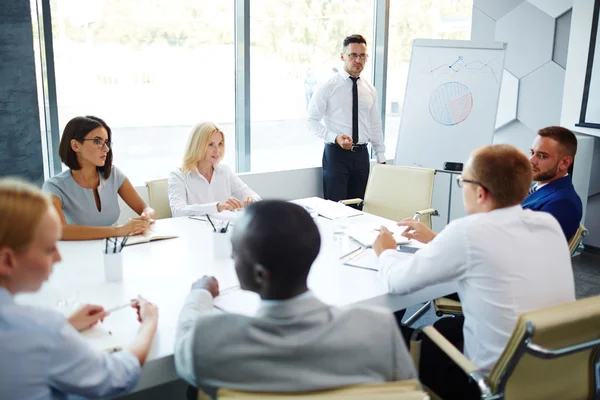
20 138
547 45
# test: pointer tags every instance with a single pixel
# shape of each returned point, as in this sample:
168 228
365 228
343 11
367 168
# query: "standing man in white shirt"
347 105
506 260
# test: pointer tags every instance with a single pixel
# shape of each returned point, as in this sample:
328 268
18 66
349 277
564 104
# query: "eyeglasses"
362 56
460 182
100 143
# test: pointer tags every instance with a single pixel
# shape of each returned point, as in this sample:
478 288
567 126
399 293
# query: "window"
431 19
294 46
150 70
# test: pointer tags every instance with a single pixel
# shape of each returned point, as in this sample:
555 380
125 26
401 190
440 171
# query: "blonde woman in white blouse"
202 185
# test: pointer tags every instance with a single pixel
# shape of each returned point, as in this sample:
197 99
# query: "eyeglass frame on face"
460 183
100 143
354 56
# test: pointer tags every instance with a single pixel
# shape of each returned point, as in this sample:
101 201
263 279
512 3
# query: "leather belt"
354 147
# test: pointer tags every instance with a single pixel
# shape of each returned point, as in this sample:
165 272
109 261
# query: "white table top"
163 271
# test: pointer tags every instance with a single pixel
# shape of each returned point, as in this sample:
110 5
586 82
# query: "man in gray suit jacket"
295 342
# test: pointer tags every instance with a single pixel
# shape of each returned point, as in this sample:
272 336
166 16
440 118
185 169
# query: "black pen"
224 230
209 220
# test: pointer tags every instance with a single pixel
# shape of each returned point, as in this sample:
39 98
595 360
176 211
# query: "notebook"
147 237
367 237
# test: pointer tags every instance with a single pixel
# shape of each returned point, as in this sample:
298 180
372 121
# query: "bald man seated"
295 342
506 261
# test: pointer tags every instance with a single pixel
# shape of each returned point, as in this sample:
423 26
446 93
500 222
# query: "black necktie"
354 110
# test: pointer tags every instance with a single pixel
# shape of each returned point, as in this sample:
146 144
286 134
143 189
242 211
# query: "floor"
586 268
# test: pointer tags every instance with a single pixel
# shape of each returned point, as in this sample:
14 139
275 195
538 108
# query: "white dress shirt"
507 262
332 103
191 194
43 357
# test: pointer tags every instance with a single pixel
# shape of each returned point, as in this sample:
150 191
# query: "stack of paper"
332 210
367 237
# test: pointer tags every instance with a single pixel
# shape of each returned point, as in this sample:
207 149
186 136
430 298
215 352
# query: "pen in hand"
129 304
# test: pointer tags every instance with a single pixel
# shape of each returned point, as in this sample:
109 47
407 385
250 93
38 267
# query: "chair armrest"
428 211
349 202
459 359
456 356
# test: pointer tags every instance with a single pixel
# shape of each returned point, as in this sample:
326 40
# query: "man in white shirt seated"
295 342
506 260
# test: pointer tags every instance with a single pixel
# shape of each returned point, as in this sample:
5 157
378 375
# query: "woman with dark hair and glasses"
85 195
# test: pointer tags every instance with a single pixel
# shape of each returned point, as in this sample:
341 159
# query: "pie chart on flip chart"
450 103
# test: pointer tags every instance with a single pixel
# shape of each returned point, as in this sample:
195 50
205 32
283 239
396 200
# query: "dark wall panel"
20 138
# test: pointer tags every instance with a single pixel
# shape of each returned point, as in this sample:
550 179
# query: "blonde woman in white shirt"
202 185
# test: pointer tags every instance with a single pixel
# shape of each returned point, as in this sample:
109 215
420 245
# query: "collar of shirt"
217 168
5 297
502 212
345 75
274 303
538 186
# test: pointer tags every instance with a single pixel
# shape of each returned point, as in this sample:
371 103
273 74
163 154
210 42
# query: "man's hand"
209 283
344 141
87 316
417 230
385 241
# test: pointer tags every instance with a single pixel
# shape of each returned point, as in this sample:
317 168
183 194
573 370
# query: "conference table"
163 272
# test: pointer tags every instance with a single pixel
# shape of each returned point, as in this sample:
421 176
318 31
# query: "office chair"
400 390
553 353
158 197
396 192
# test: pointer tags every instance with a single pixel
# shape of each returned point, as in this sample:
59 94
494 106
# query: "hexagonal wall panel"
553 8
530 36
482 26
561 39
517 134
496 9
540 96
507 103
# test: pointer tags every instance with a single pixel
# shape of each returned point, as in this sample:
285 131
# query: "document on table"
367 237
329 209
367 259
105 338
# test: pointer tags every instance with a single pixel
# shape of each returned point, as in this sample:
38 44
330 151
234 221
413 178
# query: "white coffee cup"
221 245
113 267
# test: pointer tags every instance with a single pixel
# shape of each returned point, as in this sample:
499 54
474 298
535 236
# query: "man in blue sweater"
552 153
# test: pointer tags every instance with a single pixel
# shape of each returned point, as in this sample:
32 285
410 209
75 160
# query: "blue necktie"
533 188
